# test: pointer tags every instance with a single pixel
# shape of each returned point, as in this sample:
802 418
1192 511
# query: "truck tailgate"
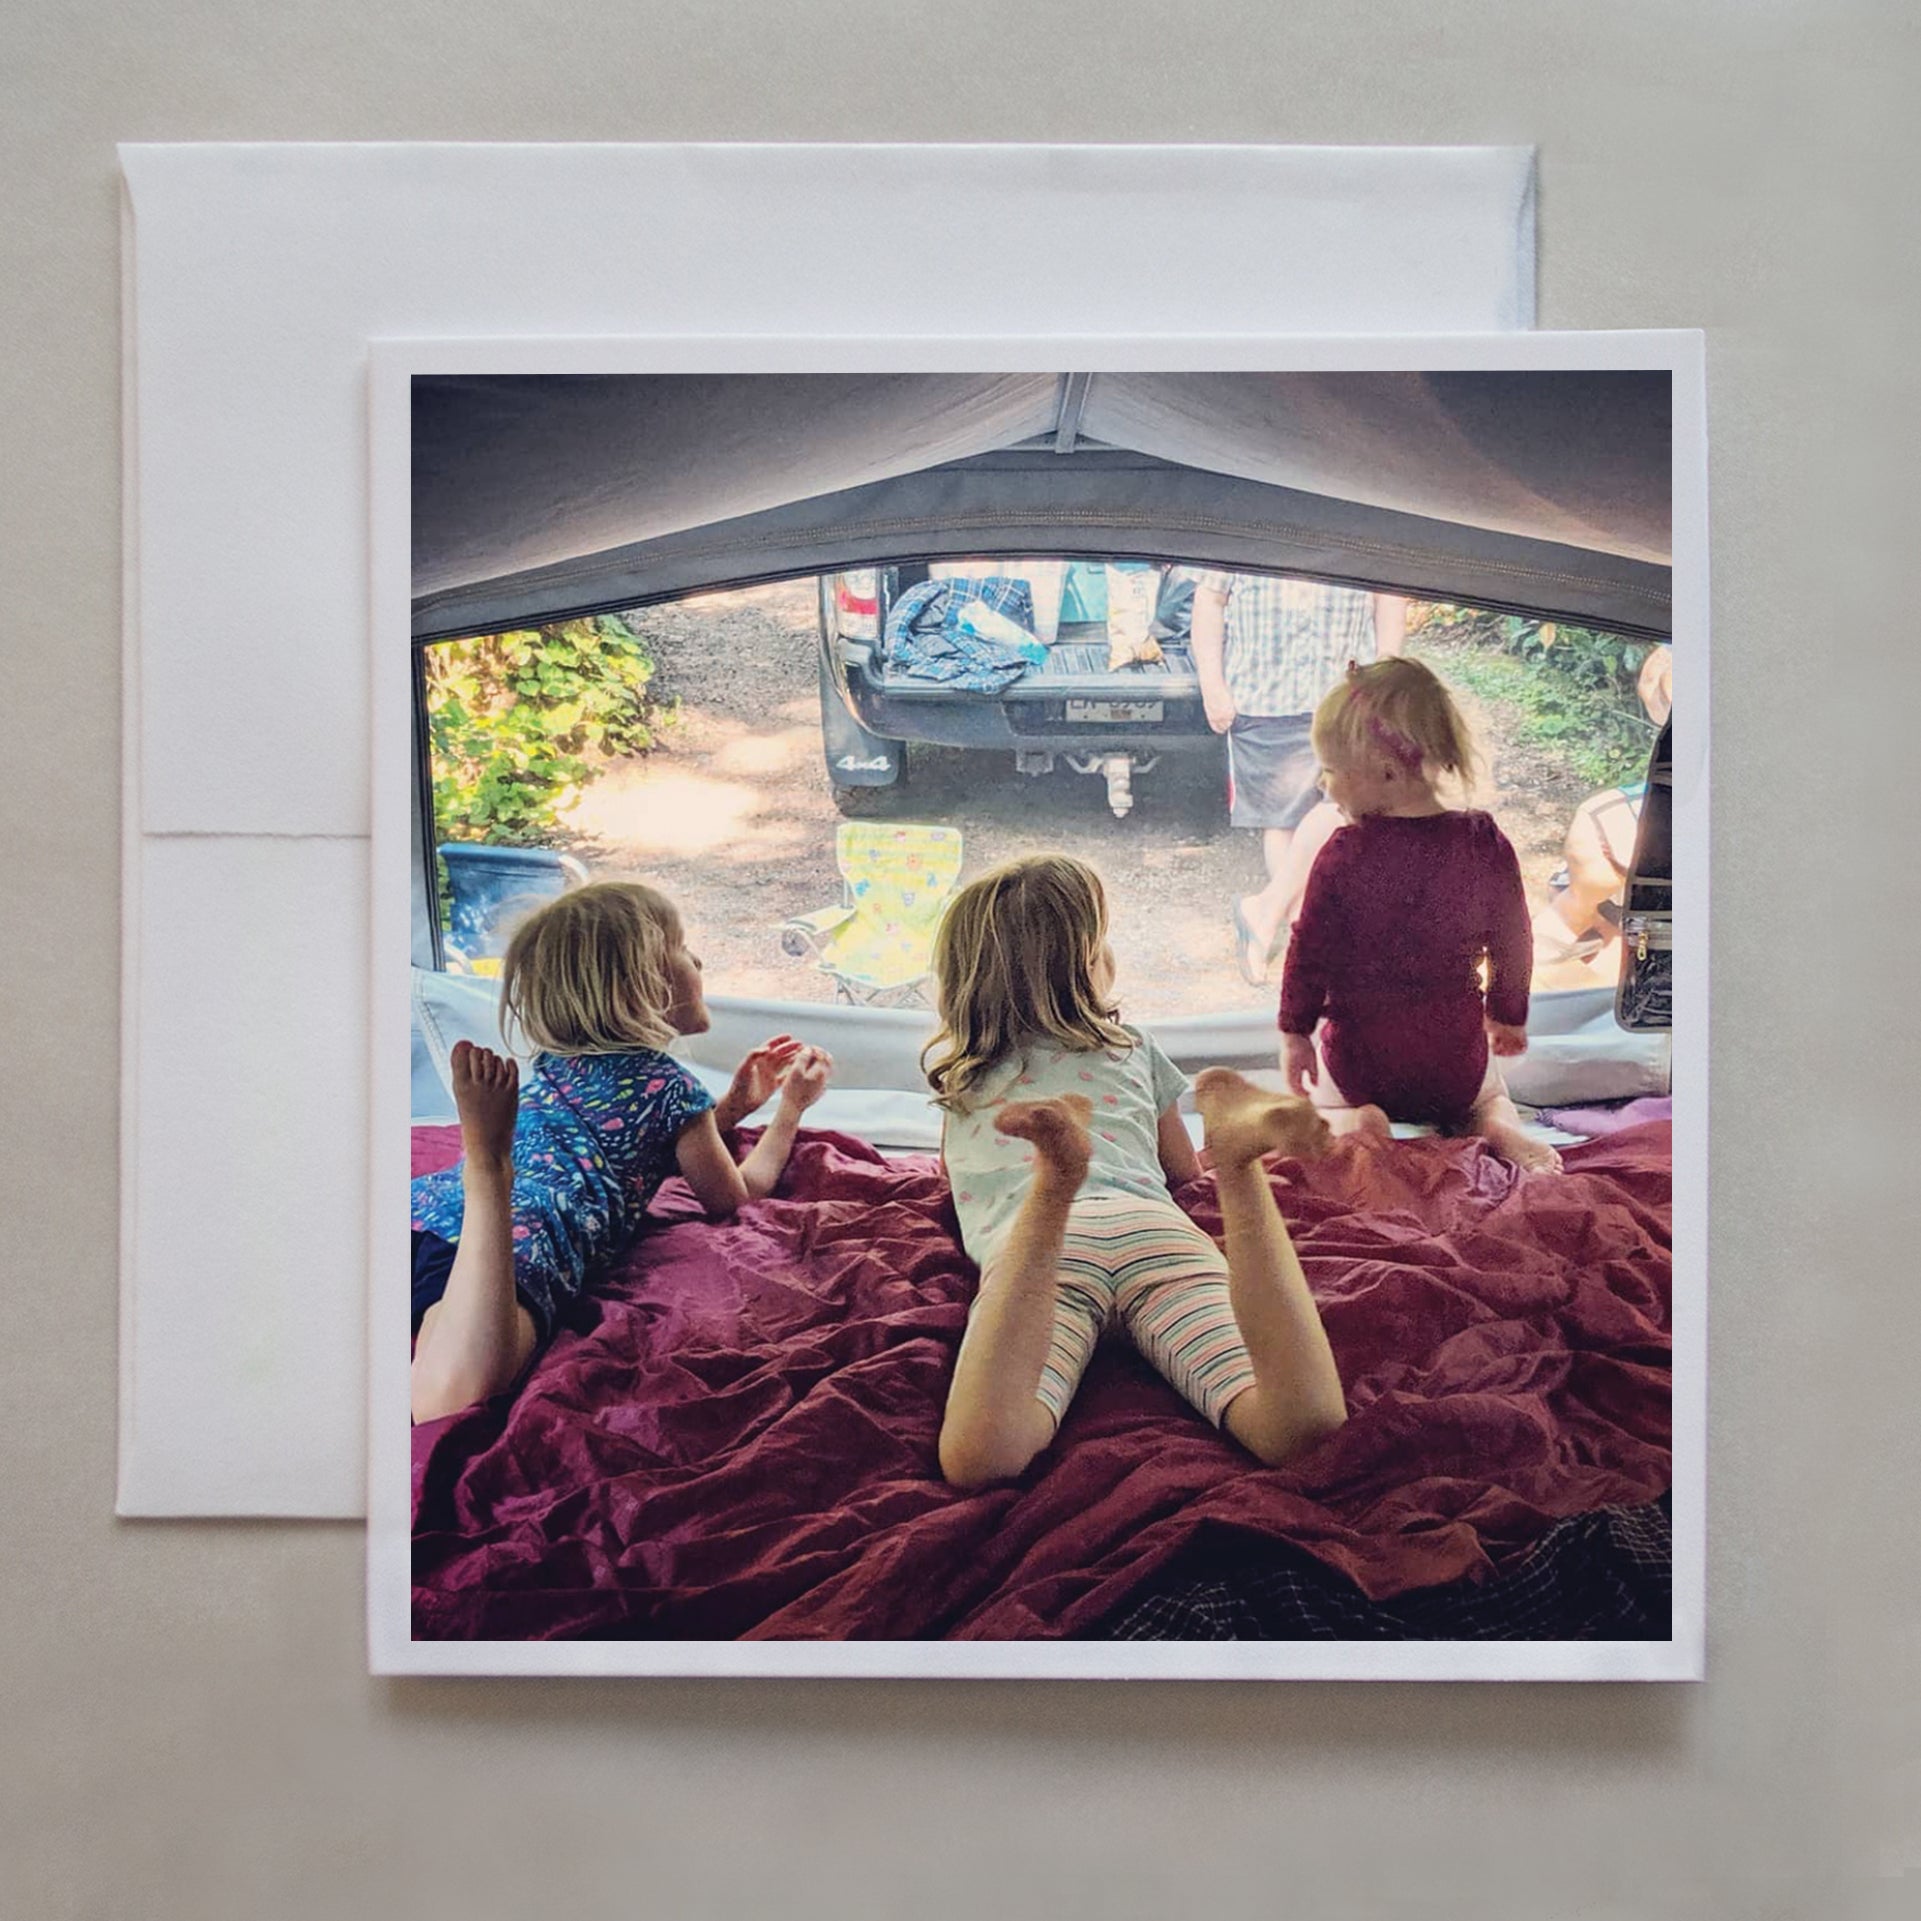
1078 669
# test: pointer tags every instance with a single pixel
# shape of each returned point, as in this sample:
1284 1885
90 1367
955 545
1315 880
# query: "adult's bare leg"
1289 854
1257 916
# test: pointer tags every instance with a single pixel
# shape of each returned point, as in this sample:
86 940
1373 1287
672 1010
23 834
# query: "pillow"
865 1043
432 1105
1576 1053
449 1008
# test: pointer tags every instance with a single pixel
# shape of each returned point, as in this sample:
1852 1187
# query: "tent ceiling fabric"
1581 459
521 472
537 496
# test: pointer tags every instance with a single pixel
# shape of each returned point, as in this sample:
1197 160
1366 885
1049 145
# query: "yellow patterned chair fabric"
896 879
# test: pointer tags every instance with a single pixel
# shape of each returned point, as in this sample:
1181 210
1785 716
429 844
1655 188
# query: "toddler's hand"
806 1080
759 1074
1300 1063
1505 1040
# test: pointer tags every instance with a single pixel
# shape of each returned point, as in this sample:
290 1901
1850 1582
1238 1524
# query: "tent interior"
542 497
733 1434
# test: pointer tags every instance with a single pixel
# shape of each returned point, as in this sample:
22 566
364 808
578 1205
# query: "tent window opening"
810 768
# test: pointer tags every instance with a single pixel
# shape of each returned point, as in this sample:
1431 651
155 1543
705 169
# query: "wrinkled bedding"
1606 1575
734 1436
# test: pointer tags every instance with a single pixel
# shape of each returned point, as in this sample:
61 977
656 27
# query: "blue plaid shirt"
1289 641
925 639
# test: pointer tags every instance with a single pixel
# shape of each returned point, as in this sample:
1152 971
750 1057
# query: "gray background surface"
185 1717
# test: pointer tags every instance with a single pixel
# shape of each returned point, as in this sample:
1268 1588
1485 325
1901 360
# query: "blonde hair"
1398 708
1014 961
587 973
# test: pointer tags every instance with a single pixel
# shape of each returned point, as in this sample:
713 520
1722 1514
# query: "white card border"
392 1650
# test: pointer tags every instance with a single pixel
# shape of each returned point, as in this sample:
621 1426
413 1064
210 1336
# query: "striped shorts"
1144 1266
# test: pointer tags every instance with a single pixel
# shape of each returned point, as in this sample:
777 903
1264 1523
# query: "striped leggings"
1144 1265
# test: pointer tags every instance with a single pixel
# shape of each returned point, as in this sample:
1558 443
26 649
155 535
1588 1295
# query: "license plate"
1137 711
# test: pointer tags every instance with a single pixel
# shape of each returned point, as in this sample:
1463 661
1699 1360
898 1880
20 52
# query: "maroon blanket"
735 1437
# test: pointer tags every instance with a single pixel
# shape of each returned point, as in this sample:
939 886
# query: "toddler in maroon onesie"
1405 907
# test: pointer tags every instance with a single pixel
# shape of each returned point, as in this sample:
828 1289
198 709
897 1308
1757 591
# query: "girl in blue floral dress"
554 1177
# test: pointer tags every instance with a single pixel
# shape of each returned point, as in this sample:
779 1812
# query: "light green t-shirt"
990 1171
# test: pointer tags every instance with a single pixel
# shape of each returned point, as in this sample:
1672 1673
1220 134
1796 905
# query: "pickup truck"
1072 708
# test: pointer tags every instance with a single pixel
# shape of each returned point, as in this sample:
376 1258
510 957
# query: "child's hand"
1299 1063
806 1080
1505 1040
756 1078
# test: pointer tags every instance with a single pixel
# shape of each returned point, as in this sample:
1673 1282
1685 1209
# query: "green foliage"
519 722
1586 657
1574 688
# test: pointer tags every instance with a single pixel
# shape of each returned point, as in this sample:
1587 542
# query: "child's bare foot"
1058 1129
487 1096
1244 1121
1512 1143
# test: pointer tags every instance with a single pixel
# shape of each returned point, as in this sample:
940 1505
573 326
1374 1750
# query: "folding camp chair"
895 882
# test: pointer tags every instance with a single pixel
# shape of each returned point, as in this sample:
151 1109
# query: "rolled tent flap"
1546 492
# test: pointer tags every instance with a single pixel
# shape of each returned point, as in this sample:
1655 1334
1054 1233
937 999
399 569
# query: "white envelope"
255 275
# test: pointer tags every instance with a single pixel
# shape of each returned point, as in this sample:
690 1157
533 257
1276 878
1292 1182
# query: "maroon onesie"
1398 915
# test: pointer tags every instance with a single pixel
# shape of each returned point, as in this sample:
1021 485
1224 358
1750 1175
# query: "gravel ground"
731 815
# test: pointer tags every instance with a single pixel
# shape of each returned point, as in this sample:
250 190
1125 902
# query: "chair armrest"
823 921
804 934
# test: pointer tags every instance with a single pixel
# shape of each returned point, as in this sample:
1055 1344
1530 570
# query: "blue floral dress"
595 1136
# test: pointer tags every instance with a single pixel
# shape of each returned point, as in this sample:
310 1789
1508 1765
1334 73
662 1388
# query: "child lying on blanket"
553 1181
1403 907
1060 1139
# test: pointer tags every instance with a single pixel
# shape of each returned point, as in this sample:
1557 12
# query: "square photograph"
1045 1030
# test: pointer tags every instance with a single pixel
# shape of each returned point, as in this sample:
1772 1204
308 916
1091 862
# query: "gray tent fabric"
541 496
1580 459
522 472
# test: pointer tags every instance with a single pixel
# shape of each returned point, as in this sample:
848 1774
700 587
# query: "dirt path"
731 815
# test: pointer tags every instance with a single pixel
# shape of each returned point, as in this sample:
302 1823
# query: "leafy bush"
519 722
1574 687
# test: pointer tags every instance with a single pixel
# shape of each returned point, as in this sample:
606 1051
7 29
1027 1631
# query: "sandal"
1250 953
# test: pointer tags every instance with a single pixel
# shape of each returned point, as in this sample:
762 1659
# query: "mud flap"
855 758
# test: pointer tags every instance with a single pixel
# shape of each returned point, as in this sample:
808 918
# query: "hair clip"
1396 743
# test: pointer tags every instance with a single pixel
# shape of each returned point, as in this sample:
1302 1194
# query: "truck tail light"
857 603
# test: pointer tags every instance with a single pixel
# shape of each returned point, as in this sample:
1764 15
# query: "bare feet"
1512 1143
487 1096
1058 1129
1244 1121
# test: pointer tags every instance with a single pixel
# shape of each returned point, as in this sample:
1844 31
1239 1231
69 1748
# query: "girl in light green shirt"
1061 1139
